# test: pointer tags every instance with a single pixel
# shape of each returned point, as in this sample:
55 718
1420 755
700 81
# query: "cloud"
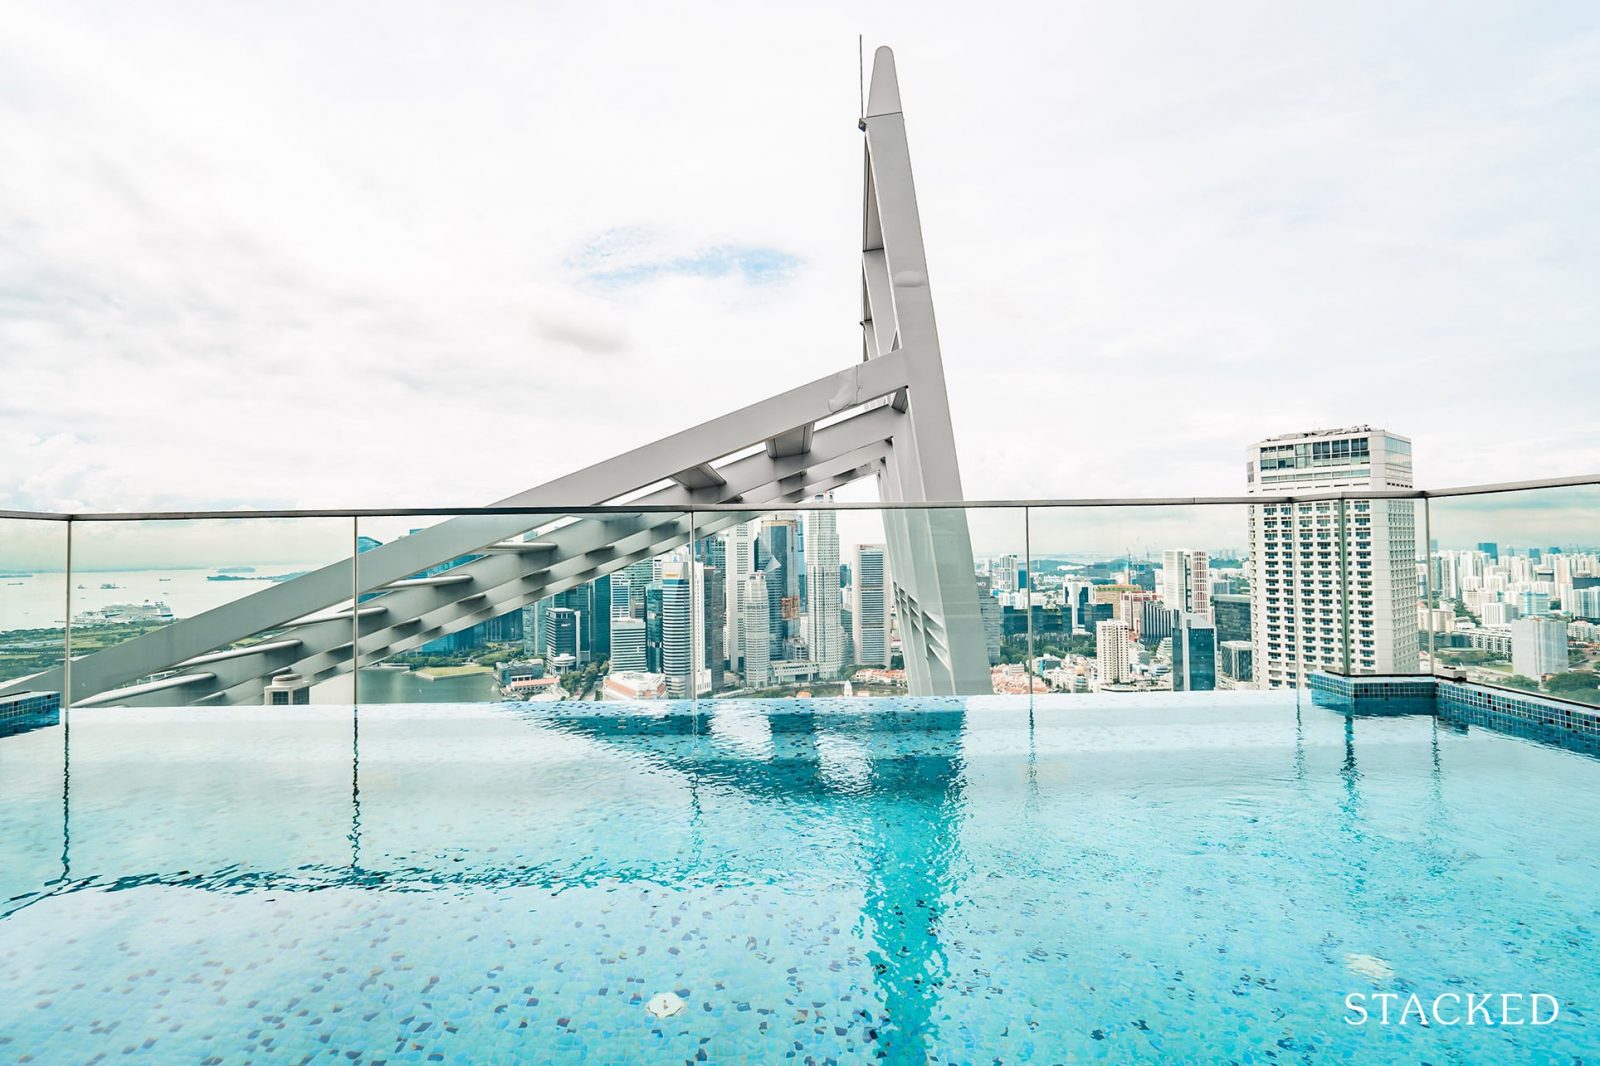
243 261
620 259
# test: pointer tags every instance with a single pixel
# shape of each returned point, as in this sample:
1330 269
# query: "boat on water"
107 585
123 613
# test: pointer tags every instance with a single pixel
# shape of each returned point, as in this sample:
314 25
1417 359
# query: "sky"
364 255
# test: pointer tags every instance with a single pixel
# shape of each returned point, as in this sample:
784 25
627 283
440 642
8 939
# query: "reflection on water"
389 685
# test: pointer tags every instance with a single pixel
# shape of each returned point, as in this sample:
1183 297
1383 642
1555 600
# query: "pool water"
1174 877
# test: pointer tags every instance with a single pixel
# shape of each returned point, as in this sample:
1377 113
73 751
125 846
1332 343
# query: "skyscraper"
627 644
757 663
777 557
824 635
1232 615
1194 654
740 556
869 606
562 644
1186 581
621 603
711 604
679 641
1307 560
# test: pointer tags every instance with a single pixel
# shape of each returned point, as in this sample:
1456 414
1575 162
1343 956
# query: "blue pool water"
1121 879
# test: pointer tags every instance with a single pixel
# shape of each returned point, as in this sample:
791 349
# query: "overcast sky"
398 254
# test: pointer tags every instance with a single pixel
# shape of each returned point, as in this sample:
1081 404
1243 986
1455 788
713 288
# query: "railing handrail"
1574 481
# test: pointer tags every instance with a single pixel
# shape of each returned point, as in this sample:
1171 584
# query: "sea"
39 601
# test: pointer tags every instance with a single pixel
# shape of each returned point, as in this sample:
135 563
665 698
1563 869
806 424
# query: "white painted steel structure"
886 417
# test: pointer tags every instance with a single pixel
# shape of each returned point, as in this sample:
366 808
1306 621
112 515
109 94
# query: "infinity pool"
1120 878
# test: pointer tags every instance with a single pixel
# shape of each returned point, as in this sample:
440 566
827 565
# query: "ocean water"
1138 878
38 600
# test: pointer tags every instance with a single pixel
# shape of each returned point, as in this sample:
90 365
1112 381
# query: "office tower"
652 626
714 625
1231 613
824 635
869 606
562 641
1194 654
775 558
1308 559
591 602
639 576
1155 621
712 551
757 663
621 603
740 557
628 645
1233 660
1491 549
1112 640
678 641
1538 647
1186 581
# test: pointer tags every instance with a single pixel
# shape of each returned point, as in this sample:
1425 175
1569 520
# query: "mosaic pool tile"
1154 879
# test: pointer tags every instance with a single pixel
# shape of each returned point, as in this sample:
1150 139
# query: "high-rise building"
757 661
591 602
563 647
1491 549
1231 613
1112 643
1194 654
1186 581
824 634
639 576
1538 647
652 625
1156 621
1308 560
628 645
677 629
713 622
621 602
1233 661
740 557
869 606
777 557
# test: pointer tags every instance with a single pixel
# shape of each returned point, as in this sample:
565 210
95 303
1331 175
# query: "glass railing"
819 599
1514 589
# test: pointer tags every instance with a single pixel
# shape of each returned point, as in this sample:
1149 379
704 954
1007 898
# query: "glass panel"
534 606
1139 599
1385 585
815 599
211 612
1516 589
33 611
